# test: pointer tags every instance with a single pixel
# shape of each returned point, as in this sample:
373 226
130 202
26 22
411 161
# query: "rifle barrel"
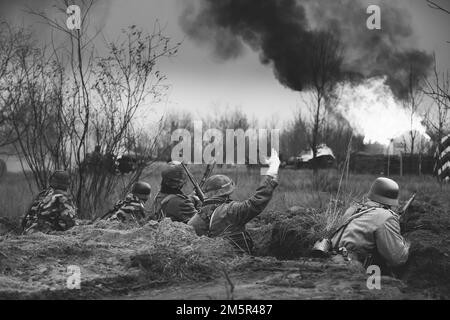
197 188
408 204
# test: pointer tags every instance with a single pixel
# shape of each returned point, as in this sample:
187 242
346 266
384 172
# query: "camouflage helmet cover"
60 179
384 191
219 185
142 190
173 175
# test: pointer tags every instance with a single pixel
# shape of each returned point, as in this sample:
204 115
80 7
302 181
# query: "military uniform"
222 217
129 210
373 237
170 202
51 210
178 207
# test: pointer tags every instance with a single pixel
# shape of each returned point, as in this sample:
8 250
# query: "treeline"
294 135
60 102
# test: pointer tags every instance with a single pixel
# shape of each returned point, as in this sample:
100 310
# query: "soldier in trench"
220 216
53 208
372 235
131 209
171 202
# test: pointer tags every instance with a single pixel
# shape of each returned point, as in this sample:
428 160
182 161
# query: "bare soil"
168 261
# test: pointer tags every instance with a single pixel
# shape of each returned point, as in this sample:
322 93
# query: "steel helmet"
173 176
142 190
384 191
218 185
60 179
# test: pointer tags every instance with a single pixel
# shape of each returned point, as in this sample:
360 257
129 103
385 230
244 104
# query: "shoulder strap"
342 228
212 216
206 216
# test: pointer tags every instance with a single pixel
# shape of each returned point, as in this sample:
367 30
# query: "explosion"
372 110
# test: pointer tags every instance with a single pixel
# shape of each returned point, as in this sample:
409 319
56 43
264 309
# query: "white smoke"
372 110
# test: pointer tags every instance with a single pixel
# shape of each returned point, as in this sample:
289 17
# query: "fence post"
401 164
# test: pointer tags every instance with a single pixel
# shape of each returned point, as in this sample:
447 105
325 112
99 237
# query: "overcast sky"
201 81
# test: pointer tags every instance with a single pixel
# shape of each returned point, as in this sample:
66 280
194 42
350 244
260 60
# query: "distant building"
324 157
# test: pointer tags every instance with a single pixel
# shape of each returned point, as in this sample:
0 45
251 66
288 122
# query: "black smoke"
283 32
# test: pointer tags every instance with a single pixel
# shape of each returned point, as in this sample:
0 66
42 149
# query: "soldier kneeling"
52 209
132 208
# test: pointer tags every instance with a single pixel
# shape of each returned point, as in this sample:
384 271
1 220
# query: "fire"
372 110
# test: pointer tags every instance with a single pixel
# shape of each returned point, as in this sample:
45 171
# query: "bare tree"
293 138
69 102
126 80
9 40
326 61
412 103
435 5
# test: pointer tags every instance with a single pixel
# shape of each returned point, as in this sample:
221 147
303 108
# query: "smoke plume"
283 33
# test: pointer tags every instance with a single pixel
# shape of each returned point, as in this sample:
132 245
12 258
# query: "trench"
427 229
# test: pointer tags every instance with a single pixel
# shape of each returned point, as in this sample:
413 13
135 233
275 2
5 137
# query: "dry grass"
317 211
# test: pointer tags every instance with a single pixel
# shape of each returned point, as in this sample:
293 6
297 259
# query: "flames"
372 110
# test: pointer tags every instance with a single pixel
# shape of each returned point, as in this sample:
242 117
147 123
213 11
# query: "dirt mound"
167 260
290 235
111 256
7 226
427 226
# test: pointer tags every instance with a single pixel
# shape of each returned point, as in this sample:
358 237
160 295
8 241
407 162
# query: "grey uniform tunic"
375 232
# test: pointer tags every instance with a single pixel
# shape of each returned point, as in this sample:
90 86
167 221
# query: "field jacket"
51 210
222 217
375 233
129 210
177 207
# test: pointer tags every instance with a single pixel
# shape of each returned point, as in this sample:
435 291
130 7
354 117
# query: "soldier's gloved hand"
196 201
274 165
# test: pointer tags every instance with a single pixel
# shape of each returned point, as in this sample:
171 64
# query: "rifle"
407 205
208 172
197 188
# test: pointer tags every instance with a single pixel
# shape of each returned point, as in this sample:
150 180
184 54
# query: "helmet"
173 176
218 185
60 179
142 190
384 191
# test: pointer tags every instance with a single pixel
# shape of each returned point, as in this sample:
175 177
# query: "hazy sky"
200 81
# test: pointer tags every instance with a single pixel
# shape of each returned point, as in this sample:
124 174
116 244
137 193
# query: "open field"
169 261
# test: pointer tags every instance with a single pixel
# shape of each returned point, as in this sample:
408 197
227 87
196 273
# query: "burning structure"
362 74
324 157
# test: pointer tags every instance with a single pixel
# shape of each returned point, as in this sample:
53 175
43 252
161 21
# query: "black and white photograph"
224 155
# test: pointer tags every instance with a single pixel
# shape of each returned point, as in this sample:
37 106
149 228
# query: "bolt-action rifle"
407 205
208 172
196 186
